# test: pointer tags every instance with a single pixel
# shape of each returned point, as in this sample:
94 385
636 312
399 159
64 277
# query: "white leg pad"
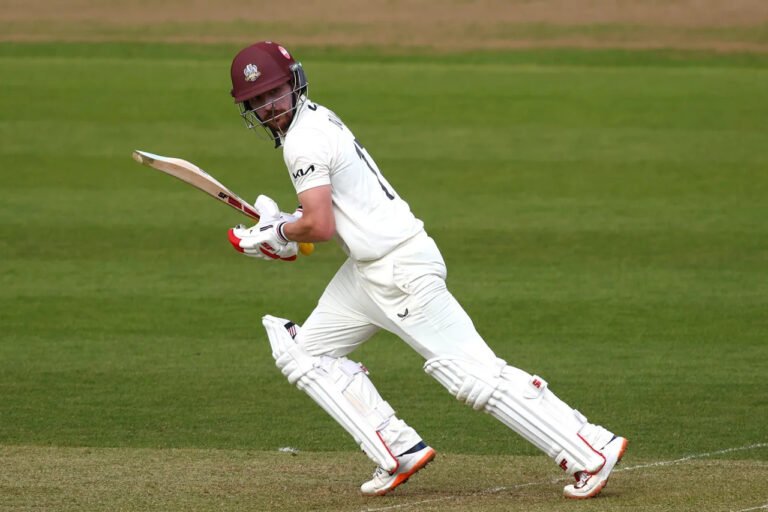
523 403
340 386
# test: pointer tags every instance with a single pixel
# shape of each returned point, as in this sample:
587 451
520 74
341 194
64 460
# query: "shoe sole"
403 477
602 484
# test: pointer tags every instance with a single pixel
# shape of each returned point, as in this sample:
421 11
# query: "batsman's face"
274 107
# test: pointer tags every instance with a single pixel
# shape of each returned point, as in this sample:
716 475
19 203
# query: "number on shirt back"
360 152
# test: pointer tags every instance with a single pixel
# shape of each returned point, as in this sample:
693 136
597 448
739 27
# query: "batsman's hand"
271 214
264 240
269 211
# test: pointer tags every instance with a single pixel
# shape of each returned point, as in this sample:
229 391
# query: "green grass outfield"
604 217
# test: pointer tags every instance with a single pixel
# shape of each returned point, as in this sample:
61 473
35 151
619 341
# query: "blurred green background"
602 213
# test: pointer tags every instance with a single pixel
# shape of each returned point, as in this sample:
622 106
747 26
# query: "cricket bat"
198 178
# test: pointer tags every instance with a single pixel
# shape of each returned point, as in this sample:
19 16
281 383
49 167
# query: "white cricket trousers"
404 293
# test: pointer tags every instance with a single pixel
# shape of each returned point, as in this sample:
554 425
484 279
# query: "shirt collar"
300 108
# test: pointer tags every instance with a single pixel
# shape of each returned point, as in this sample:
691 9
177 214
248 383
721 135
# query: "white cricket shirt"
371 218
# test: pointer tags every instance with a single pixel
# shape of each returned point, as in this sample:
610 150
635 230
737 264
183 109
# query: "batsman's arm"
317 224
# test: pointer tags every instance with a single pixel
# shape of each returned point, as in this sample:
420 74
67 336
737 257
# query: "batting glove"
271 215
265 241
269 211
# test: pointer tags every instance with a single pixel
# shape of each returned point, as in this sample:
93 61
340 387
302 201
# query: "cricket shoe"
408 463
589 485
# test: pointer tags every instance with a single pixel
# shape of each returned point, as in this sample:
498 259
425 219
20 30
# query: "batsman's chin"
280 123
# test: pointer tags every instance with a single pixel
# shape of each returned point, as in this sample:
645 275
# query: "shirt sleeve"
307 156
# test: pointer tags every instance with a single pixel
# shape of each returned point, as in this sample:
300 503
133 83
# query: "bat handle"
306 248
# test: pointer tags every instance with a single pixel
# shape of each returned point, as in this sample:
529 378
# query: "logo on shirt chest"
303 172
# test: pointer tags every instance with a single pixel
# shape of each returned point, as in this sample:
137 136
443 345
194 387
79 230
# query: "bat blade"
193 175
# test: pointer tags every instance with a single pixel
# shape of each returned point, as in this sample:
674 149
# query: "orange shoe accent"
402 478
602 484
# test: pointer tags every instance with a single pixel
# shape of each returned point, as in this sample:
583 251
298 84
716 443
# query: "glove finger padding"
285 252
251 242
236 236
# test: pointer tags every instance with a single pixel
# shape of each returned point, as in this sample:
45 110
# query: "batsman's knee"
292 360
469 381
474 382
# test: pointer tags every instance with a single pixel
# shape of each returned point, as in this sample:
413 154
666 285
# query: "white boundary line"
493 490
695 456
761 507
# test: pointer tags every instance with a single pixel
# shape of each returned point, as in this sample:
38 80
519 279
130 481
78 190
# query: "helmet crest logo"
251 73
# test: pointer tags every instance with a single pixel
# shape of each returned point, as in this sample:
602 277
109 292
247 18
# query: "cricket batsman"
393 279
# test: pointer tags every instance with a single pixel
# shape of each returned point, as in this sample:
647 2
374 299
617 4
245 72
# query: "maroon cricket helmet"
263 66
